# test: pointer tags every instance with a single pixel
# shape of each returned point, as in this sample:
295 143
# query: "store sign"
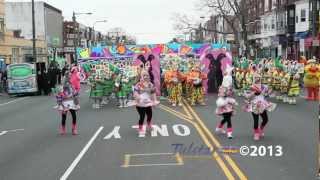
68 49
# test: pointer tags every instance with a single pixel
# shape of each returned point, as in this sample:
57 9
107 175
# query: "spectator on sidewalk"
4 81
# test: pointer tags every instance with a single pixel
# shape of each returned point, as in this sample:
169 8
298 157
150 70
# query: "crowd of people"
258 82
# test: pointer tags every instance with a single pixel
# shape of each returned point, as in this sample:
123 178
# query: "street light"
201 30
34 51
94 36
76 39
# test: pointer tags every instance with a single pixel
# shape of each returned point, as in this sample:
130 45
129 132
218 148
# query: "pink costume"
225 103
75 79
257 102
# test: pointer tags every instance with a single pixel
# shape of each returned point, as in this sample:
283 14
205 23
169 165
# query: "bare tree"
186 24
238 9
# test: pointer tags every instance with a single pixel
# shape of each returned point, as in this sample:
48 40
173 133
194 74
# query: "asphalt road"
108 147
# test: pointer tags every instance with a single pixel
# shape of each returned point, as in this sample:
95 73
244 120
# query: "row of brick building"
54 35
288 28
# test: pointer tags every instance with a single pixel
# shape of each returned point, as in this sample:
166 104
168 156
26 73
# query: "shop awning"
301 35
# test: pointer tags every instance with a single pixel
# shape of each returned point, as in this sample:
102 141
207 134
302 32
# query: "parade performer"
124 88
247 80
75 84
257 104
96 82
145 98
109 75
173 80
294 88
311 80
194 79
284 86
226 103
65 99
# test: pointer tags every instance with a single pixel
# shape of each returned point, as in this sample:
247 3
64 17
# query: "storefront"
300 41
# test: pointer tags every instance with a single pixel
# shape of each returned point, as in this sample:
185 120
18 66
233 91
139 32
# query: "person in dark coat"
52 75
46 83
40 82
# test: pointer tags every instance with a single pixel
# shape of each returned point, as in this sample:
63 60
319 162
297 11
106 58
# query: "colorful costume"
173 80
123 85
257 104
284 85
312 80
225 103
196 90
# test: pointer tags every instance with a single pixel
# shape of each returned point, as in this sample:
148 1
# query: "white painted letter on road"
144 129
115 133
163 130
181 130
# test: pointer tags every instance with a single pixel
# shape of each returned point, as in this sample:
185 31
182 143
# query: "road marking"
151 154
215 155
176 112
179 159
128 156
188 113
16 100
149 165
78 158
126 160
8 131
177 115
114 133
217 144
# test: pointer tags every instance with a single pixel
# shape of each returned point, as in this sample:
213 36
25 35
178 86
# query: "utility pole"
75 39
315 22
34 50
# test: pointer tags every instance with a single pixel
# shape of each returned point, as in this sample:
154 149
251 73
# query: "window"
70 43
2 28
272 24
291 13
15 55
2 24
303 15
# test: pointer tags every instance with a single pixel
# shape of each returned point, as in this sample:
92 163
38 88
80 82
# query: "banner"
127 51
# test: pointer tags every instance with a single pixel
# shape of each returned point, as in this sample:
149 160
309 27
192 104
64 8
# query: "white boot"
125 103
220 130
256 136
294 101
120 103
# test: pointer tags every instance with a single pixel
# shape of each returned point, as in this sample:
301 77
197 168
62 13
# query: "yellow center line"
215 155
217 144
126 161
179 159
186 111
175 114
165 107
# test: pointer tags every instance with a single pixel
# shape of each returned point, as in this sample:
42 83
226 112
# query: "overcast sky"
148 20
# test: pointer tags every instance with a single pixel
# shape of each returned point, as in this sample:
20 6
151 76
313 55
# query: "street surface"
108 146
